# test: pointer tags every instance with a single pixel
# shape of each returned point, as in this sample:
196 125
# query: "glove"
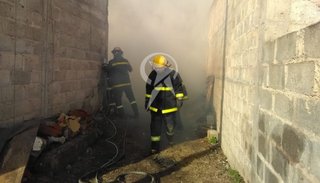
179 103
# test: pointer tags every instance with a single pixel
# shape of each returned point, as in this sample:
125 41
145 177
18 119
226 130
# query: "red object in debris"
52 130
79 113
85 117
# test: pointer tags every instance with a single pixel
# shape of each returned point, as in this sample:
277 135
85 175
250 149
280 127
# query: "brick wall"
50 56
270 92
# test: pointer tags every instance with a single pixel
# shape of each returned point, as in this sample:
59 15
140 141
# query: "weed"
213 140
235 176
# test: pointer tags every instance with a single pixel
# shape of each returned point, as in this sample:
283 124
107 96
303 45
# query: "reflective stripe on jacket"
118 71
166 97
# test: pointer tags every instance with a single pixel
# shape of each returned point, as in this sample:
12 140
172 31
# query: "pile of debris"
64 128
60 141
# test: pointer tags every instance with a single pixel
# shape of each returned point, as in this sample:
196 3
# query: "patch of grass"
213 140
235 176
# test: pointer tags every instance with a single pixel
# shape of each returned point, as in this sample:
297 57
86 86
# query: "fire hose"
120 178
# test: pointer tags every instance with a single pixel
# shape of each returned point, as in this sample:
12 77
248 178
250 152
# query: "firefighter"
165 93
118 69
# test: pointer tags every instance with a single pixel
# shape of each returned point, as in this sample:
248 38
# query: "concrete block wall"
79 42
241 85
270 92
289 125
216 53
50 56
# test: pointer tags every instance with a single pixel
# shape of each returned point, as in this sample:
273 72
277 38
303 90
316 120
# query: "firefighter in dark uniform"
165 93
119 79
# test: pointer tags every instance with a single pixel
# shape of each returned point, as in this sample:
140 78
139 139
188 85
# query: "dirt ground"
191 159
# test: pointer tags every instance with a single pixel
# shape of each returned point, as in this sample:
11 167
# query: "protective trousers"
117 93
157 122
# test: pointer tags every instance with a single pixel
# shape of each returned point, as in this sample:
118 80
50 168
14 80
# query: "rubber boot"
170 140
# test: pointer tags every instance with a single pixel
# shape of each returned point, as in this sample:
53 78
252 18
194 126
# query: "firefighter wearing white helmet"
164 95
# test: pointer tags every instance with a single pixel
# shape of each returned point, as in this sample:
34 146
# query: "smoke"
176 27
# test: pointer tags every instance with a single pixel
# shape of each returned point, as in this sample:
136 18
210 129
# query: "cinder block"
66 86
270 177
22 107
35 77
55 87
312 41
21 77
286 47
263 146
24 46
7 43
71 75
70 96
76 105
6 10
283 106
7 26
80 75
264 76
6 60
307 114
315 159
21 30
62 64
7 94
85 84
274 130
265 99
280 163
31 63
276 76
301 77
35 5
67 40
293 143
22 15
58 99
38 49
260 167
59 75
33 91
34 33
7 111
268 52
20 92
35 104
262 122
75 53
5 77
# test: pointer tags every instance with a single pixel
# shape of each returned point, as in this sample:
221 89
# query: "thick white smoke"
176 27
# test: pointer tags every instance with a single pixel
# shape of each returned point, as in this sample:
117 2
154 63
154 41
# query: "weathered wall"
50 56
270 120
216 54
288 137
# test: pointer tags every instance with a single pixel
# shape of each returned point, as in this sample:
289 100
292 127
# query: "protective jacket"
118 70
163 90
